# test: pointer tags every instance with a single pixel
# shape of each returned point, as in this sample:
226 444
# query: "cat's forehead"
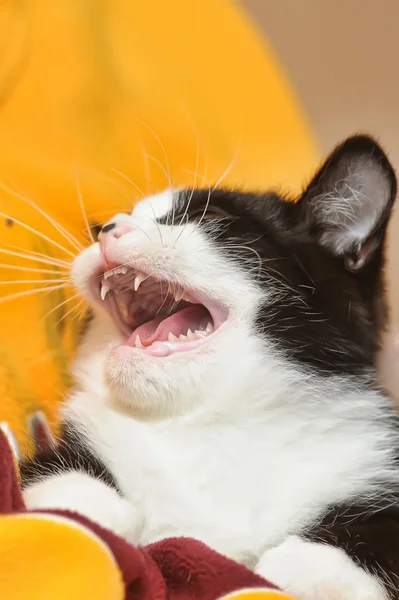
157 206
160 206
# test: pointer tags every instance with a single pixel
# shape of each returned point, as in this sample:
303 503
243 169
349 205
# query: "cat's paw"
90 498
312 571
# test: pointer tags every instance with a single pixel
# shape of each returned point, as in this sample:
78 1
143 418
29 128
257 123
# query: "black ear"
348 204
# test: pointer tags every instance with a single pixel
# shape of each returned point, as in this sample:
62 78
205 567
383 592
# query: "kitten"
225 387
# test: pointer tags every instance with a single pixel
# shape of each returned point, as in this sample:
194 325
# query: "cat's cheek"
89 497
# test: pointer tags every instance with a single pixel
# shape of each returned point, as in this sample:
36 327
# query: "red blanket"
174 569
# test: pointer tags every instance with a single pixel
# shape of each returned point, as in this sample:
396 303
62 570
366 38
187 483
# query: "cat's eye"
211 214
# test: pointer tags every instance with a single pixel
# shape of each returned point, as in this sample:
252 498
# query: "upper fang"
104 291
140 277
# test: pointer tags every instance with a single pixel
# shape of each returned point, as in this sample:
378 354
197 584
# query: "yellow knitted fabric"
92 93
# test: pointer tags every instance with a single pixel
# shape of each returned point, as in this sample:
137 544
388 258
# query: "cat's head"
199 287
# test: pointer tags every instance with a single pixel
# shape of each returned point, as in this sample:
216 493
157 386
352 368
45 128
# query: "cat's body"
263 434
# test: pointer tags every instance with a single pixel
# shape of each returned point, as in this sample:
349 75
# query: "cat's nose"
115 230
109 234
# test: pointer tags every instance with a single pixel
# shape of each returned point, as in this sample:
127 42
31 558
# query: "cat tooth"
209 328
171 337
190 335
124 270
104 290
182 337
186 298
137 342
140 277
200 333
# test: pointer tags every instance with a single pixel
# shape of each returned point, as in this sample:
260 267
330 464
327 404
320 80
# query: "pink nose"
111 232
115 230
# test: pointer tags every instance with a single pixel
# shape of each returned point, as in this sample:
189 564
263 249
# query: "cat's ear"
348 203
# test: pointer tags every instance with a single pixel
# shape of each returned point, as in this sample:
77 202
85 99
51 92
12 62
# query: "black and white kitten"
225 387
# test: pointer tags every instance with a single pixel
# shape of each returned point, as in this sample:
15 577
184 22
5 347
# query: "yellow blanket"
112 99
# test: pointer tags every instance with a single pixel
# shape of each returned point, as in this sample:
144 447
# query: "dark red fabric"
174 569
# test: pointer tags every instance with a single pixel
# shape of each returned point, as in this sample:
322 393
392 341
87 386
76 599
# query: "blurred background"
103 101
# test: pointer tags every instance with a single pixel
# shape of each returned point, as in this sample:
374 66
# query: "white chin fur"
136 381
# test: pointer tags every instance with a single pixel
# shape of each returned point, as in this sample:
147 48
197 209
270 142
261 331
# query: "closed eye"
209 214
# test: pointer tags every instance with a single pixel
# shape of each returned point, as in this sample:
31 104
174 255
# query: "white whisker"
77 306
41 281
136 187
156 223
59 305
206 205
31 292
36 257
38 233
227 171
60 228
29 269
82 208
158 139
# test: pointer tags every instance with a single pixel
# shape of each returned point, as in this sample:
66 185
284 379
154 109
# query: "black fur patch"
324 314
369 537
71 454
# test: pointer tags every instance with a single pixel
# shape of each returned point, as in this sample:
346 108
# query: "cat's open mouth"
158 317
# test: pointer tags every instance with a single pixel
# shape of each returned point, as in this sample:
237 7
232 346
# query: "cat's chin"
152 386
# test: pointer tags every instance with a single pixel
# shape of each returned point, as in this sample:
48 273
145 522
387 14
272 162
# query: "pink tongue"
193 317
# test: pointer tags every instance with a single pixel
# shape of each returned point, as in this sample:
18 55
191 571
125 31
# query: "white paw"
90 498
312 571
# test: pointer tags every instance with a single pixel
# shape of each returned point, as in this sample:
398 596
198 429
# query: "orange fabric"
156 90
258 594
46 557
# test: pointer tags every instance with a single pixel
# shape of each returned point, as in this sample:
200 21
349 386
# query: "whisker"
60 228
139 228
31 292
228 170
77 306
136 187
156 223
36 257
30 269
20 281
59 305
195 130
82 208
196 170
206 205
182 231
166 172
158 139
41 235
202 177
160 165
28 252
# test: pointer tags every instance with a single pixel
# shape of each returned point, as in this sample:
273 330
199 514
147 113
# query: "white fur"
311 571
89 497
231 444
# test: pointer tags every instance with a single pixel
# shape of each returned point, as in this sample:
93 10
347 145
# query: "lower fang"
137 342
209 328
